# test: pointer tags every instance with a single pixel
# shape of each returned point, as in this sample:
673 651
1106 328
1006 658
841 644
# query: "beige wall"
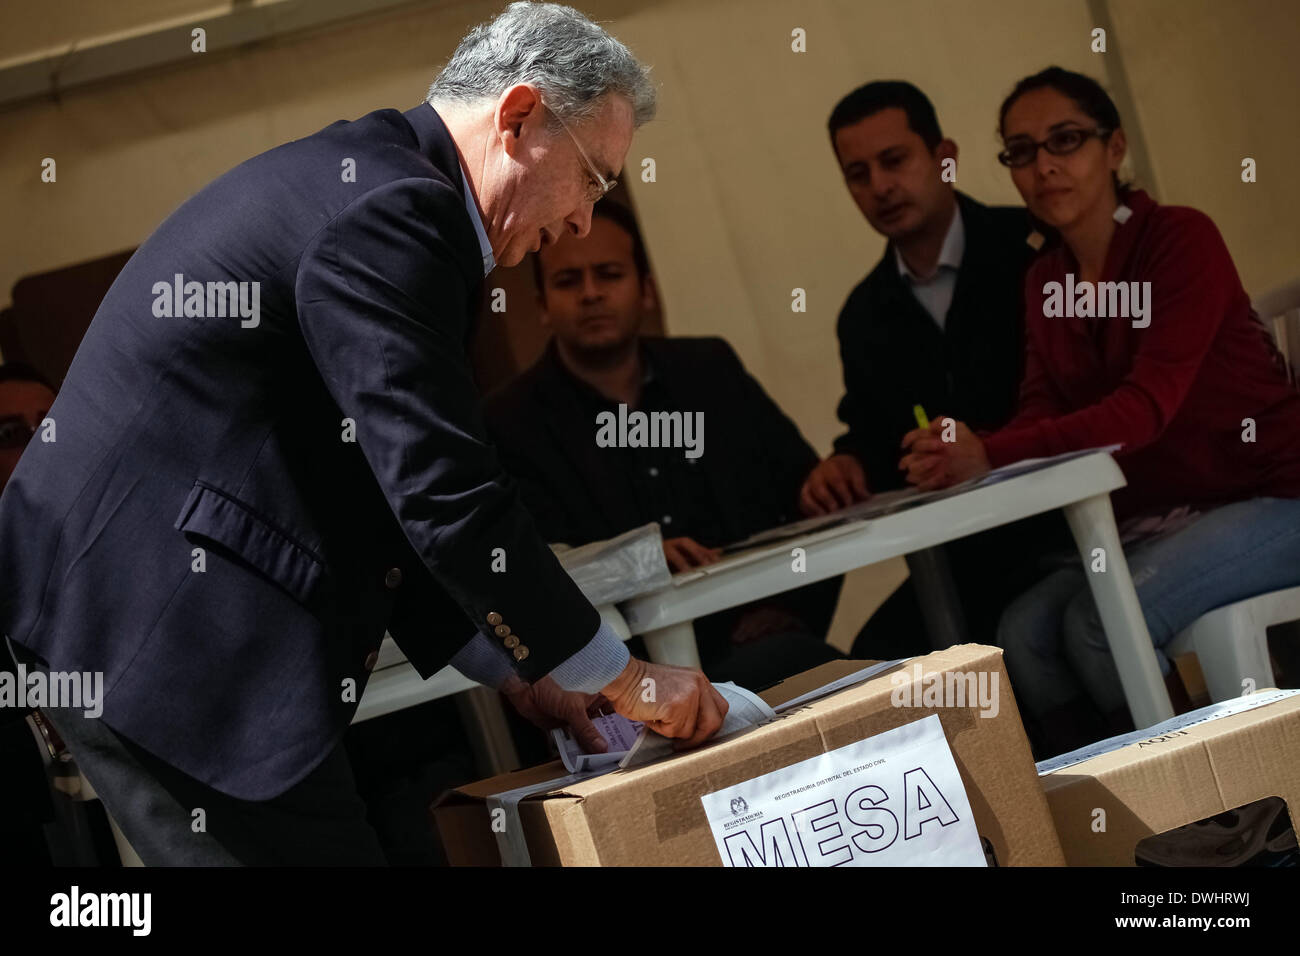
1213 83
747 204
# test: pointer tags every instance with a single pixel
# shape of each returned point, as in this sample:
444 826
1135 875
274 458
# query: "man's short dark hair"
620 216
22 372
870 99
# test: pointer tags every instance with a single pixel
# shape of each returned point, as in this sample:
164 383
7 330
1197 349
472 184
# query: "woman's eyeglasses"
1061 142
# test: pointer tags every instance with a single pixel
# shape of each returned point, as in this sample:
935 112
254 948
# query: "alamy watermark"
1098 300
977 690
651 430
75 908
208 300
82 690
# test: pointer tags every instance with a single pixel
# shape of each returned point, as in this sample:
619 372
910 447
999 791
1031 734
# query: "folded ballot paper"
631 743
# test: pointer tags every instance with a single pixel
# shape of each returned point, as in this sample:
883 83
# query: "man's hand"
686 553
933 463
672 701
547 705
835 483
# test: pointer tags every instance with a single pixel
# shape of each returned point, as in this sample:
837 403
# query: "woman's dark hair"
1088 95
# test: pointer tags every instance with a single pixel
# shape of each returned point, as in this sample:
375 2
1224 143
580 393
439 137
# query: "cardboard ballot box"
957 703
1202 781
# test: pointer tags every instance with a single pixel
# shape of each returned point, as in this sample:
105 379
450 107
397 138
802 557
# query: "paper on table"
1030 464
619 568
886 502
895 799
891 502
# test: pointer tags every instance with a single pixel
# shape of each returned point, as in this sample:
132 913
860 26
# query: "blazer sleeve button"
512 641
493 618
502 630
520 652
393 578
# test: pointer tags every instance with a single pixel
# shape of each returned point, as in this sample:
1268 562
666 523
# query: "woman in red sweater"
1185 378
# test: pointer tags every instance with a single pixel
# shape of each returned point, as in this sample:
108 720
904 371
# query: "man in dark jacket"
937 323
269 449
593 293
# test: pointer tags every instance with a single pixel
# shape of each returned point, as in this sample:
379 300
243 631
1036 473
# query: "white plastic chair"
1230 642
1279 310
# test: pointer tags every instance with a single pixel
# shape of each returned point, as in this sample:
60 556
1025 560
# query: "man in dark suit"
594 293
269 449
937 323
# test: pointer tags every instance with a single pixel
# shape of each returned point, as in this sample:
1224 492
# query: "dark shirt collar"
584 390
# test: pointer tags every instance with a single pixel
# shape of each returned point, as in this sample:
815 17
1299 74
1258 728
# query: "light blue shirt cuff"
596 665
483 661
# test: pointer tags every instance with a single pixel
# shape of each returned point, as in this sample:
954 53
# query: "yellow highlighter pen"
921 420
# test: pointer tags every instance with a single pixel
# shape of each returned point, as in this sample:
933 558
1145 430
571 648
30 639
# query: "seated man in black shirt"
593 293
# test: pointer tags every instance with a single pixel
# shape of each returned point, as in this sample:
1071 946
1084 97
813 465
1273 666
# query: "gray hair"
572 61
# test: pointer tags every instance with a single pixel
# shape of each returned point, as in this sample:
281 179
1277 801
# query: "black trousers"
320 821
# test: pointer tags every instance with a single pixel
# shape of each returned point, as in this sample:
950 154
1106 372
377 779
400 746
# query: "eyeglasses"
1061 142
600 186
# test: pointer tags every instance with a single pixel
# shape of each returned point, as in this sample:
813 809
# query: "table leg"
941 609
483 711
674 644
1093 524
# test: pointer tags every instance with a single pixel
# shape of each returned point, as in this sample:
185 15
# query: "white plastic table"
1081 487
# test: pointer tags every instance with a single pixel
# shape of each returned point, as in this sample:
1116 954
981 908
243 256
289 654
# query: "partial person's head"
25 399
890 149
594 291
1063 144
545 86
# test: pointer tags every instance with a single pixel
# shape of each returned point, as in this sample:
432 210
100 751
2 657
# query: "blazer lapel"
972 266
440 149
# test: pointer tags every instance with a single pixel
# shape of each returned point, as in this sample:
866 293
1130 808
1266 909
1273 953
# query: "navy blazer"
330 461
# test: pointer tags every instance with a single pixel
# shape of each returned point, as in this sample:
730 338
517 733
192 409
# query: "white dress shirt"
485 247
934 291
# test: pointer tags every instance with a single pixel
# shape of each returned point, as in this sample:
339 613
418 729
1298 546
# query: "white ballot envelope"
619 733
632 743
